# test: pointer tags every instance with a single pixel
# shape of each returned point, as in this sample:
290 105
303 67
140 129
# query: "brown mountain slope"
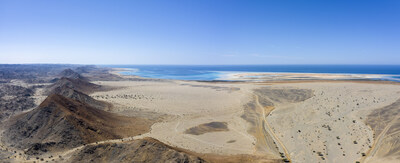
63 123
81 97
73 88
151 150
141 150
69 73
76 84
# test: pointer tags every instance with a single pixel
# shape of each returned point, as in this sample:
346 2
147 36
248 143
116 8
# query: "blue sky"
200 32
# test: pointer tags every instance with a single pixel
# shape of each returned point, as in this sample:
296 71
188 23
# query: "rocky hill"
75 84
81 97
63 123
14 99
69 73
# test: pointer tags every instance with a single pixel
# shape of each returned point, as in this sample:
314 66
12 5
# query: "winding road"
270 129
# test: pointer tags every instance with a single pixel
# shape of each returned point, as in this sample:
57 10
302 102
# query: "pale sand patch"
191 104
7 97
39 95
303 126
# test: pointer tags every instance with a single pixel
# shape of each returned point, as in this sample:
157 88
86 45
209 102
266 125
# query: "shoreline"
276 77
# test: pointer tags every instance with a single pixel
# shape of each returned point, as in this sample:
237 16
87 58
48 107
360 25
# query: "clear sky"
200 31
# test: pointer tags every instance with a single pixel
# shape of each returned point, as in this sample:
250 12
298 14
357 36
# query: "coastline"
234 76
272 76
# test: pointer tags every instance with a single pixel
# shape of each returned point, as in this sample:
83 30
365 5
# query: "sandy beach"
277 76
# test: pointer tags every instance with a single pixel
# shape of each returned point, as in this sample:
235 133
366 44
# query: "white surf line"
262 76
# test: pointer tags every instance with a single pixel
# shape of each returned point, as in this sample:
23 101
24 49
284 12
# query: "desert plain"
282 120
328 123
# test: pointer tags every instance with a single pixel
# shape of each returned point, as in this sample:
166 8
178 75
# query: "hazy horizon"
200 32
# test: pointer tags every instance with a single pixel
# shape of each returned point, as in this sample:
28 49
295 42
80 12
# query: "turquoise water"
213 72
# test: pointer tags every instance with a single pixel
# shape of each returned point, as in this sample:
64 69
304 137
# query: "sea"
214 72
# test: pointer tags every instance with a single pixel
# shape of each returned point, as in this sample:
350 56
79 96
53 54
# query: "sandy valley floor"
327 126
189 104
